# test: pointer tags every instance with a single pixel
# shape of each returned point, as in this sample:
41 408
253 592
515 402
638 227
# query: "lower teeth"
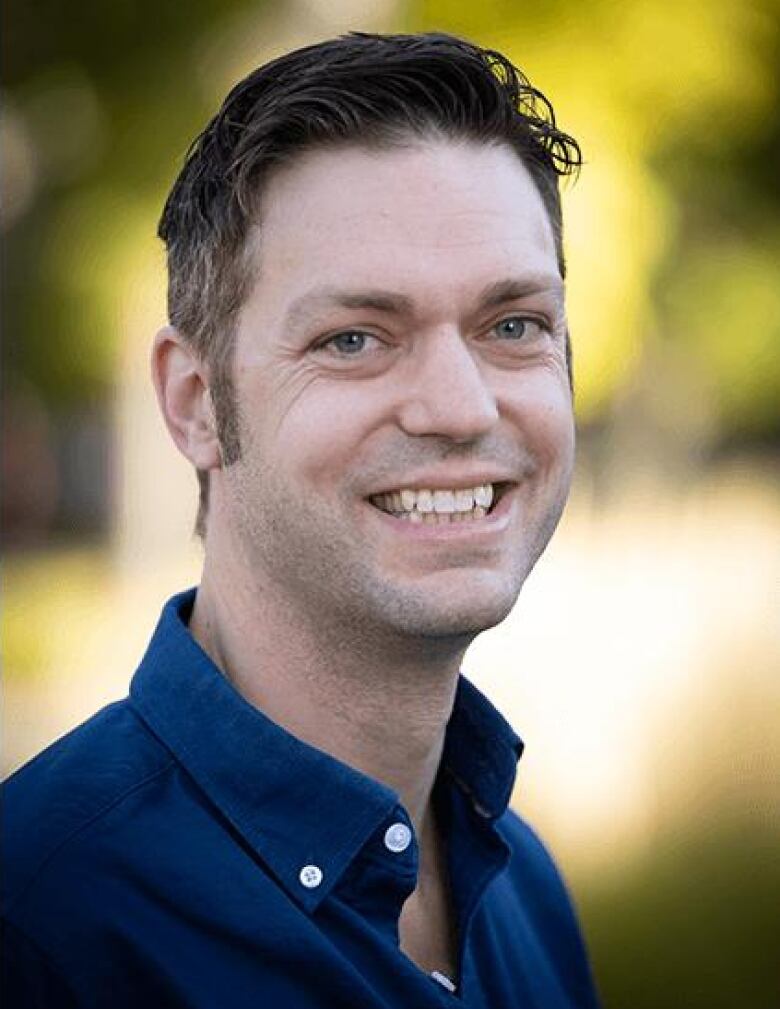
441 518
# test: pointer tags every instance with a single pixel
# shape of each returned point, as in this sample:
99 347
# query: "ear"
180 380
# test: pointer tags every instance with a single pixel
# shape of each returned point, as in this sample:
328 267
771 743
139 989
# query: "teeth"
443 501
464 500
483 495
443 506
424 501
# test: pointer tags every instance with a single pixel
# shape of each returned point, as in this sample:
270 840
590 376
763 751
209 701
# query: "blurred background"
641 664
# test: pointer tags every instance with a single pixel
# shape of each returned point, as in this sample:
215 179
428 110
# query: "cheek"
289 412
325 428
540 406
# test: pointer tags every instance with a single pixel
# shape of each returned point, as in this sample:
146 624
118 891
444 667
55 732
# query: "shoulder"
536 891
65 792
533 872
530 855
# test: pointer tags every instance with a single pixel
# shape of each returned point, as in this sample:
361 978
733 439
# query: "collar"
292 803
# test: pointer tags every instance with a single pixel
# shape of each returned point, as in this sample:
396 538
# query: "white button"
443 980
310 876
398 837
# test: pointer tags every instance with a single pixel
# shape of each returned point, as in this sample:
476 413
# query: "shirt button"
398 837
310 876
443 980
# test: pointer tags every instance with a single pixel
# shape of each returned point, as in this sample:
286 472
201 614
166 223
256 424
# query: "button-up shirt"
180 849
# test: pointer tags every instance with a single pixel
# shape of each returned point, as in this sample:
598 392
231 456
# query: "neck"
378 703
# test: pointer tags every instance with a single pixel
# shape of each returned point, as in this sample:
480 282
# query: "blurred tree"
101 102
102 99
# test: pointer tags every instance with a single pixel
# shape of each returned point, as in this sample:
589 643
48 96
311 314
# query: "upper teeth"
439 501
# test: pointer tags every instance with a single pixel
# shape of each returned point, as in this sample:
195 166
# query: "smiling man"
302 803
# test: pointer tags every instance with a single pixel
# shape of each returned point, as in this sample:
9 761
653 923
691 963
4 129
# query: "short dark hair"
360 89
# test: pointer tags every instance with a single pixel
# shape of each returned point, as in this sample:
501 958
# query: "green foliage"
101 107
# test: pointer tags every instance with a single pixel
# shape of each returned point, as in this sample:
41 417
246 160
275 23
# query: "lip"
446 481
490 526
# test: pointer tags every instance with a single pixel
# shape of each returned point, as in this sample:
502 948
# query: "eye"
515 327
349 343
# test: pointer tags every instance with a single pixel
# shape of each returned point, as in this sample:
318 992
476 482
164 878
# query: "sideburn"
223 396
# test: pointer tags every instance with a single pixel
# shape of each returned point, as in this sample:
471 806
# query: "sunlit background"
641 664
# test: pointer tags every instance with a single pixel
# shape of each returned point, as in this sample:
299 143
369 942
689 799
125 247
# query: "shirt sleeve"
27 979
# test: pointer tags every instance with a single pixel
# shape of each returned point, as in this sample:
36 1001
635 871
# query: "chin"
456 615
468 624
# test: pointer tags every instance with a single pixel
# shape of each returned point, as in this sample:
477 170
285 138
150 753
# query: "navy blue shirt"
180 849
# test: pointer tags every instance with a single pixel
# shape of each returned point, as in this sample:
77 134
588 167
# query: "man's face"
406 333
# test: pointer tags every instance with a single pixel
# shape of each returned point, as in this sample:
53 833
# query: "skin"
406 329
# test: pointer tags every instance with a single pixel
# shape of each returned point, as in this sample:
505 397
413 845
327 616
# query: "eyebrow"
516 288
393 303
331 297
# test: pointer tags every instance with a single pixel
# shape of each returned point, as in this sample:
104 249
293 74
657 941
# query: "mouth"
445 506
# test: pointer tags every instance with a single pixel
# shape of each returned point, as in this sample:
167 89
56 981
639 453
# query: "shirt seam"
474 800
103 811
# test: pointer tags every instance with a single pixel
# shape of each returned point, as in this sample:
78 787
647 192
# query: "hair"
369 90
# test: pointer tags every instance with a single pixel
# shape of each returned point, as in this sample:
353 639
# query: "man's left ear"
180 380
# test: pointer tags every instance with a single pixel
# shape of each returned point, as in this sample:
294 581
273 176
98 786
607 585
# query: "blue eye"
513 328
349 343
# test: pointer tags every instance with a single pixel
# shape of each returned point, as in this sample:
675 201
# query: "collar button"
398 838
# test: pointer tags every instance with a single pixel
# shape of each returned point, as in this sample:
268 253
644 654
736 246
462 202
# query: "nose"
448 395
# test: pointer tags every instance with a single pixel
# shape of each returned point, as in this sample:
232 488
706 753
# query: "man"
302 803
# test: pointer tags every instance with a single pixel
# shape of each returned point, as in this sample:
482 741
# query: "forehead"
433 220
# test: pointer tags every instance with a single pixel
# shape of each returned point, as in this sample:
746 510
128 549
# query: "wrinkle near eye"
289 383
